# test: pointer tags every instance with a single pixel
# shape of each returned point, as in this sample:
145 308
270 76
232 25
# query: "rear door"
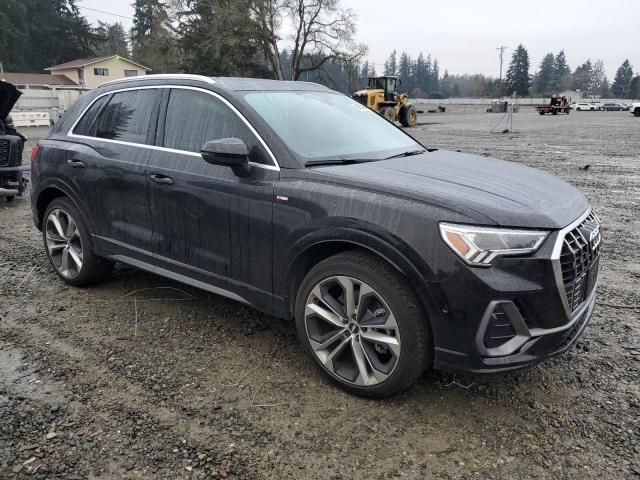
112 153
208 224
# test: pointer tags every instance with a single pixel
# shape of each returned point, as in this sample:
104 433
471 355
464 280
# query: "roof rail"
174 76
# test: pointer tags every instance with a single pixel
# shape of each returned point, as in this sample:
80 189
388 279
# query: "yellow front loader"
382 97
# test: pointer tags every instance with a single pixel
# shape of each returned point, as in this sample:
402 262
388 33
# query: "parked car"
625 106
583 106
11 146
635 109
389 257
597 106
612 107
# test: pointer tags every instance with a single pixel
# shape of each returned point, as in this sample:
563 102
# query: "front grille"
5 150
500 329
579 261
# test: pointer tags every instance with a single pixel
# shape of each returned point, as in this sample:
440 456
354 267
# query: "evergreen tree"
152 41
517 78
111 39
40 33
562 72
544 80
582 78
405 72
220 39
622 80
391 65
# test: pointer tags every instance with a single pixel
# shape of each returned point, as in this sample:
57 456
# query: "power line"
106 13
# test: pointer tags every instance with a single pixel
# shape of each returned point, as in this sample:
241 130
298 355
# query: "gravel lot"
140 377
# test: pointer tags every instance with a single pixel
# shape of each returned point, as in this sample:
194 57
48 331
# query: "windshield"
327 126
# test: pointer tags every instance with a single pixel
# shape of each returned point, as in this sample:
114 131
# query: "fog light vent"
499 330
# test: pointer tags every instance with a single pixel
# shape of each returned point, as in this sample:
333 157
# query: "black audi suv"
390 257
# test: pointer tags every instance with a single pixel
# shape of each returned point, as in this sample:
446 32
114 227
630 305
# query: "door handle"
76 163
161 179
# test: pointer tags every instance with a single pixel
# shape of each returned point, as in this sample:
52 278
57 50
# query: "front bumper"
514 314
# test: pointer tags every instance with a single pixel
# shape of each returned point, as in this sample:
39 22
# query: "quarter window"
193 118
129 116
101 72
86 125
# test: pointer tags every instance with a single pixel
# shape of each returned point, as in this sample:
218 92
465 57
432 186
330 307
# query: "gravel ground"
140 377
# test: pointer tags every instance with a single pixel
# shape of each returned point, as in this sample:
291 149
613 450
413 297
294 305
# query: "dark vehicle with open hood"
388 256
11 145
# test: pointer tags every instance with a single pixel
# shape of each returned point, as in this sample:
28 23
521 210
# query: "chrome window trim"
555 260
275 166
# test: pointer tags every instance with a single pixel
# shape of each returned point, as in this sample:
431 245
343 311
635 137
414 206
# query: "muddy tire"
408 115
69 247
388 113
362 324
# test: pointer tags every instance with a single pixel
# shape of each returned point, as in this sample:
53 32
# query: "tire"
592 109
578 109
636 112
408 115
343 349
554 112
567 111
541 113
388 113
69 249
10 199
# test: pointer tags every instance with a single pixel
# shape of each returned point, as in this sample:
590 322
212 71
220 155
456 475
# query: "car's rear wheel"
68 245
359 320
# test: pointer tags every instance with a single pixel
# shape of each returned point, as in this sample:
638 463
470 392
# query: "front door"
209 225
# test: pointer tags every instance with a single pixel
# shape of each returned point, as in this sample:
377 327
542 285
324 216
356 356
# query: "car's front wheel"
68 246
359 320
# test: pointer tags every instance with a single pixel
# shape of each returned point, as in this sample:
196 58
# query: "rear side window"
129 116
193 118
86 125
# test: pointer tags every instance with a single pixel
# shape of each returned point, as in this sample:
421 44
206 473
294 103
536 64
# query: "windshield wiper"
406 154
337 161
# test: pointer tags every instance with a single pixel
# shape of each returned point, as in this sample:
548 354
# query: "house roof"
81 62
37 79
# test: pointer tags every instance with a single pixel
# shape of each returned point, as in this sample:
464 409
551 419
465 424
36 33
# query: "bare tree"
322 31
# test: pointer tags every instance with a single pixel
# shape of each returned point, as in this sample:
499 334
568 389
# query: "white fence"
53 102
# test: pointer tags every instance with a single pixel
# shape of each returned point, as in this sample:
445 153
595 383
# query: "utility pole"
502 48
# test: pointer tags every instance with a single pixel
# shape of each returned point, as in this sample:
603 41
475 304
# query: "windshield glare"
326 126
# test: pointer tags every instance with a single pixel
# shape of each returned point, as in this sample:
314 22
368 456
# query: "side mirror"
228 152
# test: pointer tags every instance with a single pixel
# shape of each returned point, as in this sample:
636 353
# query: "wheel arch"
48 194
322 244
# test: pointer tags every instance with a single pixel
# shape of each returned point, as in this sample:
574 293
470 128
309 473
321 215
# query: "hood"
507 193
9 95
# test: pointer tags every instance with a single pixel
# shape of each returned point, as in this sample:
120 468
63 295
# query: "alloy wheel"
64 243
352 331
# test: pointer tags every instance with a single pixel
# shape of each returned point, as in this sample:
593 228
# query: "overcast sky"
463 34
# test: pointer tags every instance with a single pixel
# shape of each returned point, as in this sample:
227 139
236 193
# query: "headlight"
480 245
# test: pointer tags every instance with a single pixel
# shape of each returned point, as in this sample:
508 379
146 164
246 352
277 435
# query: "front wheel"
361 323
68 245
636 112
388 113
408 115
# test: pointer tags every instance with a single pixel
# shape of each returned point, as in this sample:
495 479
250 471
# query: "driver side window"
195 117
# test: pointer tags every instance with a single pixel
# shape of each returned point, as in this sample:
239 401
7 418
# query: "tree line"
554 75
245 38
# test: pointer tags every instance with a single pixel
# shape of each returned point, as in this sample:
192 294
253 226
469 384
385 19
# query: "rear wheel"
388 113
68 245
408 115
636 112
360 322
10 199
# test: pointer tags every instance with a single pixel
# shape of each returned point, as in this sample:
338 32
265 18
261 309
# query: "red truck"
556 105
